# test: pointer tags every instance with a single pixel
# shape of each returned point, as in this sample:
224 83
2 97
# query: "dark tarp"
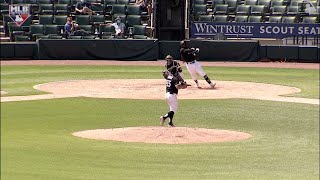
98 49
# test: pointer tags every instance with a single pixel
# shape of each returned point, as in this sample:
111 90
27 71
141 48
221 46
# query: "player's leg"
203 74
193 73
172 102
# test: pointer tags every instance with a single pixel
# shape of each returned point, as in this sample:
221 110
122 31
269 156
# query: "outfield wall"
151 50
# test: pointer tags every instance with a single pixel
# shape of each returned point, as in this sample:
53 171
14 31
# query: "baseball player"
172 86
188 55
171 63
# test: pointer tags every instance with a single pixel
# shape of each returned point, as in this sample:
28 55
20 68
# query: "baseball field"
44 104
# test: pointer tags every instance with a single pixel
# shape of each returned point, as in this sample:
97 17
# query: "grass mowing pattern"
19 80
36 140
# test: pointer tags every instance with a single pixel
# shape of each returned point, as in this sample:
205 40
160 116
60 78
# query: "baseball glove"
181 86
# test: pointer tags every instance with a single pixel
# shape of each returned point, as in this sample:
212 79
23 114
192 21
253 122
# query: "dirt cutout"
164 135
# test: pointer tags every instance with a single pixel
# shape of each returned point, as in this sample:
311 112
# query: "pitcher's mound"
164 135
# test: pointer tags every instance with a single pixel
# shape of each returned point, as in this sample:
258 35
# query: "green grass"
37 142
19 80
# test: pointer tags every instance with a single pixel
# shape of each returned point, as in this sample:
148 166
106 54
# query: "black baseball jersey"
187 54
171 84
169 64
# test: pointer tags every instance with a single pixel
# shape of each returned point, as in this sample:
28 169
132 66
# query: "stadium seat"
258 10
87 28
232 5
220 18
108 5
243 9
133 20
54 37
139 30
36 30
296 2
241 18
266 3
89 37
205 18
17 1
75 37
46 8
200 2
21 38
33 2
199 9
15 30
106 37
37 37
289 19
64 2
45 19
123 1
216 2
310 20
60 20
83 19
292 10
275 19
51 29
133 10
118 9
45 2
61 9
279 10
276 3
250 2
98 8
4 8
97 19
123 17
106 30
140 37
221 9
255 19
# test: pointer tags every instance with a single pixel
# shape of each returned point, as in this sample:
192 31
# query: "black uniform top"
169 64
187 54
171 84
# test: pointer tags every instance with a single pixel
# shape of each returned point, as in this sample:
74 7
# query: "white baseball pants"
195 68
172 101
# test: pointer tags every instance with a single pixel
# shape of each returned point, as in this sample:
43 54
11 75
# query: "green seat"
83 19
232 5
296 2
250 2
75 37
123 1
45 19
140 37
21 38
118 9
87 28
292 10
133 20
220 18
60 20
221 9
46 9
45 2
243 10
310 20
133 10
108 5
4 8
14 30
205 18
61 9
199 9
51 29
64 2
98 8
200 2
98 19
89 37
17 2
241 18
54 37
107 37
258 10
276 3
33 2
37 37
289 19
106 30
216 2
275 19
279 10
255 19
139 30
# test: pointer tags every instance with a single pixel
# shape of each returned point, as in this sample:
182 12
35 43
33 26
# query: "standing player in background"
188 55
172 86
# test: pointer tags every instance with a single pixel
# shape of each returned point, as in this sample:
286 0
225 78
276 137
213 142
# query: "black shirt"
187 54
80 5
169 64
171 84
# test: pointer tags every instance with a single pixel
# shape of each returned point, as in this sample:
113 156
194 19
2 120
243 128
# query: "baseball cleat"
170 125
198 86
162 120
212 85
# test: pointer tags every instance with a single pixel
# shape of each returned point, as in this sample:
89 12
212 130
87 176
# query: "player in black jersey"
171 63
172 83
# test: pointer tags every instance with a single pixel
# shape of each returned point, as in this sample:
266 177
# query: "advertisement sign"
253 30
19 13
